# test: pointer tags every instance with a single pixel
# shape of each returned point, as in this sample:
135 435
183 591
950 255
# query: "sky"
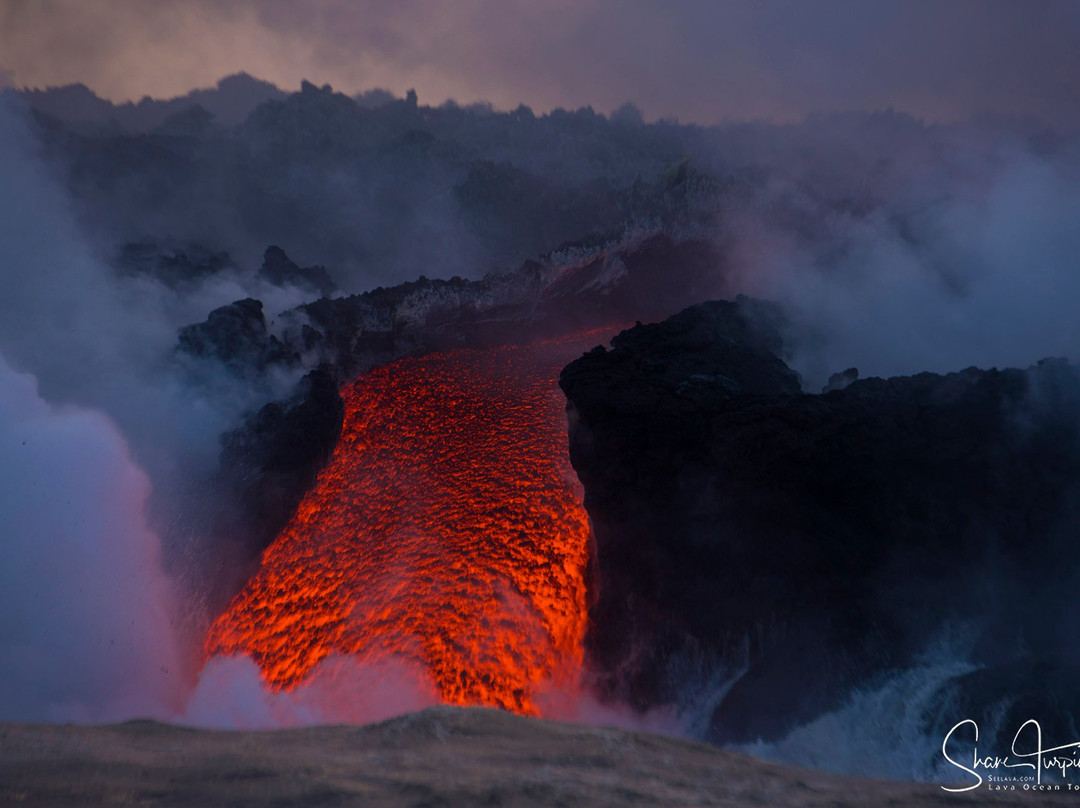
701 61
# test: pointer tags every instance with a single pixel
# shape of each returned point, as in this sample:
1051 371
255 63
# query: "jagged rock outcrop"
281 270
237 336
350 335
229 102
646 279
176 266
813 542
269 462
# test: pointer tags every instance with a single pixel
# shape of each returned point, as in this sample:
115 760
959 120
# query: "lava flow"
447 529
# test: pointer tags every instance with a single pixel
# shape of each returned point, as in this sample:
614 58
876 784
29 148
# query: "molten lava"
447 529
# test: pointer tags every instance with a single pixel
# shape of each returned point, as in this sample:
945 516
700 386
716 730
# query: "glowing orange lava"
447 529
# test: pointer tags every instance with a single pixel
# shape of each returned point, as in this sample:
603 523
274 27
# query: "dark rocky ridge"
271 460
643 279
818 541
267 465
237 336
378 192
646 280
229 102
280 270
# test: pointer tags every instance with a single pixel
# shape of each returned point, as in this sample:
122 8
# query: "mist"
106 432
977 268
87 615
90 336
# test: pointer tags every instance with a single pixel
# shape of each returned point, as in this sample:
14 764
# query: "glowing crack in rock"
446 530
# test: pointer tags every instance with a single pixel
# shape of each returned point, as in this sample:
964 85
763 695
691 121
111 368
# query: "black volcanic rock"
813 542
838 381
649 279
237 336
280 270
194 122
351 335
271 461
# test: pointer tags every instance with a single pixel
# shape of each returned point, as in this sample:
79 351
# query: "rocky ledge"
813 544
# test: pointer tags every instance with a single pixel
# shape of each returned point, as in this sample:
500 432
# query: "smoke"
86 614
579 705
948 268
91 337
92 628
231 694
883 729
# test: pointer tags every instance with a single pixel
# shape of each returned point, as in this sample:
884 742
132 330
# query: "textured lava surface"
446 530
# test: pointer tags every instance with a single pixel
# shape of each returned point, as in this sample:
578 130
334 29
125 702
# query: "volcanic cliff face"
266 466
271 459
812 542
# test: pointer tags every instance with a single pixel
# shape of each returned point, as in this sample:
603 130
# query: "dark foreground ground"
438 757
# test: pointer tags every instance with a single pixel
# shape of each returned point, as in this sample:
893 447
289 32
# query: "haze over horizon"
696 61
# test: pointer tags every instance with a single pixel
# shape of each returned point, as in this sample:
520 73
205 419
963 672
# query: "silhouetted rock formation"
811 542
649 279
838 381
229 102
280 270
270 462
353 334
237 336
378 191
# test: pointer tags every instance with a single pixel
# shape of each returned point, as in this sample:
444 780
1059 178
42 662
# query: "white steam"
231 694
85 611
980 269
95 339
88 619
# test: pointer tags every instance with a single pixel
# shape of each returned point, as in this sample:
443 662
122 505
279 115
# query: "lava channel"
447 529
